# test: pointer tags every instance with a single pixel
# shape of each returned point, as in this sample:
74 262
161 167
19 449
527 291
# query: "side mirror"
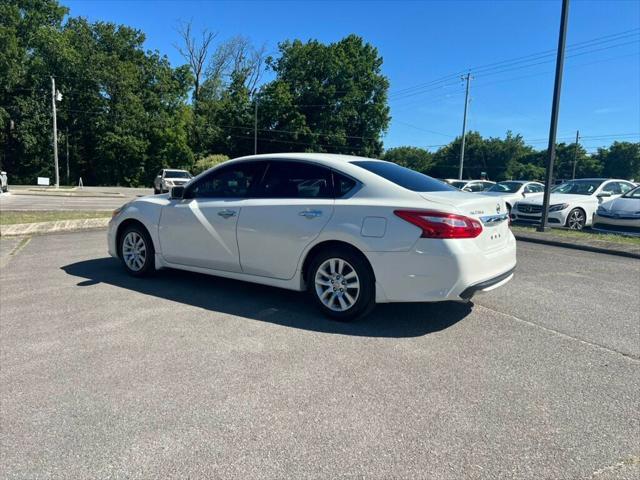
466 189
177 192
604 194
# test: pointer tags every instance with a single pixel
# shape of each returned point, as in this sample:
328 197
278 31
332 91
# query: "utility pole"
55 131
467 77
255 127
575 154
554 115
67 137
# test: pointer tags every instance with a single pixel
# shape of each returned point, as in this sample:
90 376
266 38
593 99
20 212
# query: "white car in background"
514 190
573 203
351 230
621 215
470 185
168 178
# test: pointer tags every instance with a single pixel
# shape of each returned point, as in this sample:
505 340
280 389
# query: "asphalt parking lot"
188 376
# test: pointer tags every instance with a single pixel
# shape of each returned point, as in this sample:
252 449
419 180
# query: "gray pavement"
187 376
8 201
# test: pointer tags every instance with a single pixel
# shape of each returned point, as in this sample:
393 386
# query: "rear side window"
409 179
343 185
295 180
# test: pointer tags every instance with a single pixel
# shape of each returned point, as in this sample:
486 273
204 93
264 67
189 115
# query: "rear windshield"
409 179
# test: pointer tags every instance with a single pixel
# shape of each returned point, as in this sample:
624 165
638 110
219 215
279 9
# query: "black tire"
366 296
148 265
577 219
155 191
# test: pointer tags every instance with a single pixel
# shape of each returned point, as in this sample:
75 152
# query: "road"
188 376
20 201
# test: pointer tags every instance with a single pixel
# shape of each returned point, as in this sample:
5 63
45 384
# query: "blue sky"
422 42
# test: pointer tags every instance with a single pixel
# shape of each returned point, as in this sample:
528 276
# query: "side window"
486 186
342 184
613 188
296 180
532 188
625 187
234 181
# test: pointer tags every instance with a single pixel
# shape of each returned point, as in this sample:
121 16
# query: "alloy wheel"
576 220
134 251
337 284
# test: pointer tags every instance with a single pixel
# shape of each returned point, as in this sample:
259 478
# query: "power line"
498 67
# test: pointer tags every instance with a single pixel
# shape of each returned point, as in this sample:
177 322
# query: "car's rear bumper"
437 270
488 285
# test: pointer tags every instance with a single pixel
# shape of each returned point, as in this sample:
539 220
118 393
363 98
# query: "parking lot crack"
627 355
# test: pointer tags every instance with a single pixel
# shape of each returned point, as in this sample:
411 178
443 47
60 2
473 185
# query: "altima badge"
498 208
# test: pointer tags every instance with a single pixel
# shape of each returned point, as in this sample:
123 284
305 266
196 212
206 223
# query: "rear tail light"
440 224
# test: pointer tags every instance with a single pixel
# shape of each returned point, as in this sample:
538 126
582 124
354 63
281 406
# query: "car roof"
324 158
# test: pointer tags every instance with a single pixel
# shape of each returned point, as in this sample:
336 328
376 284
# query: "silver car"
621 215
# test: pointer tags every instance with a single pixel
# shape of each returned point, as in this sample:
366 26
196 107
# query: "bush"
205 163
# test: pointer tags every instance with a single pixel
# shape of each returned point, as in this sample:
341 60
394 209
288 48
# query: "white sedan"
621 215
351 230
573 203
514 190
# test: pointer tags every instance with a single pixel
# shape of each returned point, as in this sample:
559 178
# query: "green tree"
414 158
620 160
327 98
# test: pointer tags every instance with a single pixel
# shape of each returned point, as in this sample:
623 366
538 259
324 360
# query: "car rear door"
200 230
292 205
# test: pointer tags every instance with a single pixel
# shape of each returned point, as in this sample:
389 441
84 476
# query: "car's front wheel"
136 251
577 219
342 284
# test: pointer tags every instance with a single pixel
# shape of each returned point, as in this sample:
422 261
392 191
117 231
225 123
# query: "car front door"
292 205
200 229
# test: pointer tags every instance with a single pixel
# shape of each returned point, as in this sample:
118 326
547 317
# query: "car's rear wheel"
577 219
136 251
342 284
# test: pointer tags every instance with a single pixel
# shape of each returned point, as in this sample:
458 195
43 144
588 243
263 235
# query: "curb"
621 252
58 226
66 194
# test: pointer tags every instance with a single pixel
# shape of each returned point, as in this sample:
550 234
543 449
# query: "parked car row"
573 203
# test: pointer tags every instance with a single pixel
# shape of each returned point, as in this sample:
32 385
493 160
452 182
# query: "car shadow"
270 304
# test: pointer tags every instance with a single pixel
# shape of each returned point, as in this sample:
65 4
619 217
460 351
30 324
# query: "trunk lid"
487 209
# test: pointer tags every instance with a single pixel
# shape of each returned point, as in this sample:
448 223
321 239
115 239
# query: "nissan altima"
351 231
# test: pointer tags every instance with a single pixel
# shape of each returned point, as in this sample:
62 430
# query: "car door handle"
227 213
310 213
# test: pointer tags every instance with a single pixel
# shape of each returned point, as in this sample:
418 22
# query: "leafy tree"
620 160
208 162
414 158
327 98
